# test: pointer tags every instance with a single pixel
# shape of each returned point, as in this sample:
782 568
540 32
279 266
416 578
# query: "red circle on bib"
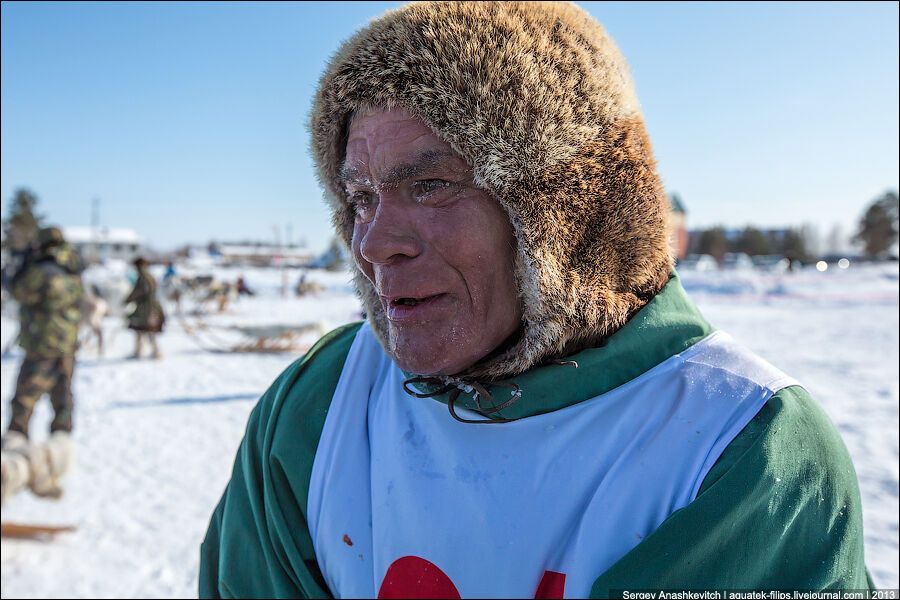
414 577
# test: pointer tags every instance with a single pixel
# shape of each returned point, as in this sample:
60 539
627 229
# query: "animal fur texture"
538 99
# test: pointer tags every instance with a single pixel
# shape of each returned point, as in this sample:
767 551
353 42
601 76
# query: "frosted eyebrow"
350 174
398 173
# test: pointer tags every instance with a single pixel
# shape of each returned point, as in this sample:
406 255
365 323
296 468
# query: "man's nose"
390 236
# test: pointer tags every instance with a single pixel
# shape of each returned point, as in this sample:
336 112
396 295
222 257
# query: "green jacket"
49 292
740 532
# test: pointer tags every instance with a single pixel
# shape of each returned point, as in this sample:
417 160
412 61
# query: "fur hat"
538 99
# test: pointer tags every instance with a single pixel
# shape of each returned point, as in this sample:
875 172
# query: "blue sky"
188 120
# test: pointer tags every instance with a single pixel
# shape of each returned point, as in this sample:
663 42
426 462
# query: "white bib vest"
404 501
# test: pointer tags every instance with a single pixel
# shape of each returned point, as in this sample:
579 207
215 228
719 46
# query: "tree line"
876 234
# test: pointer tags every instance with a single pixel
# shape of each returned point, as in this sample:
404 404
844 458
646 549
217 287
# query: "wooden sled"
23 531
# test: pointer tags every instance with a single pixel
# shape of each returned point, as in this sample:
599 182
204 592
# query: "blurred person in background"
49 291
169 274
147 319
172 286
535 408
242 288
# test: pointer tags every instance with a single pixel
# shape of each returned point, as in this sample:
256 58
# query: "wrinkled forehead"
395 125
393 144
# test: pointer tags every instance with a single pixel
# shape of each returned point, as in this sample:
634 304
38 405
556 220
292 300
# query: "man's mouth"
412 307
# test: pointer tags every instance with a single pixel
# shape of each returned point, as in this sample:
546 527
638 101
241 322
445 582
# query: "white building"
99 244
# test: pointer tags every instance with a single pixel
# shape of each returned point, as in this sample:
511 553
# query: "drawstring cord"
484 401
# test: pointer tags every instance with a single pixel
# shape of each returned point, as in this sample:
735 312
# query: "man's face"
439 251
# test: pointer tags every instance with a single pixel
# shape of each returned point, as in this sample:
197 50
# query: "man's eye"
427 186
363 205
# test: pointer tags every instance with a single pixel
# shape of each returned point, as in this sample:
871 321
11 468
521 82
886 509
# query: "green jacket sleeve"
209 555
779 510
258 543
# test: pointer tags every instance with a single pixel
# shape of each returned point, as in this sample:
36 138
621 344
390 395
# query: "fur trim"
539 100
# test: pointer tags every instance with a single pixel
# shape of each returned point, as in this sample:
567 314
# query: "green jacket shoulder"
260 524
779 510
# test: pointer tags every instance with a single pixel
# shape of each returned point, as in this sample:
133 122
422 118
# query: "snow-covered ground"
156 439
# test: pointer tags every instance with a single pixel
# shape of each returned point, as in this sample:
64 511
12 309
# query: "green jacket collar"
668 324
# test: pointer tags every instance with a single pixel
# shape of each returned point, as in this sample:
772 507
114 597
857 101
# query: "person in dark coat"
147 319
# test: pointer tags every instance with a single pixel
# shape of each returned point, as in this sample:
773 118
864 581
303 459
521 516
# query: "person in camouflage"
147 319
49 291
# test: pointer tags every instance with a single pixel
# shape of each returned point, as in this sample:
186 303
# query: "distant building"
100 244
262 255
678 234
775 235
